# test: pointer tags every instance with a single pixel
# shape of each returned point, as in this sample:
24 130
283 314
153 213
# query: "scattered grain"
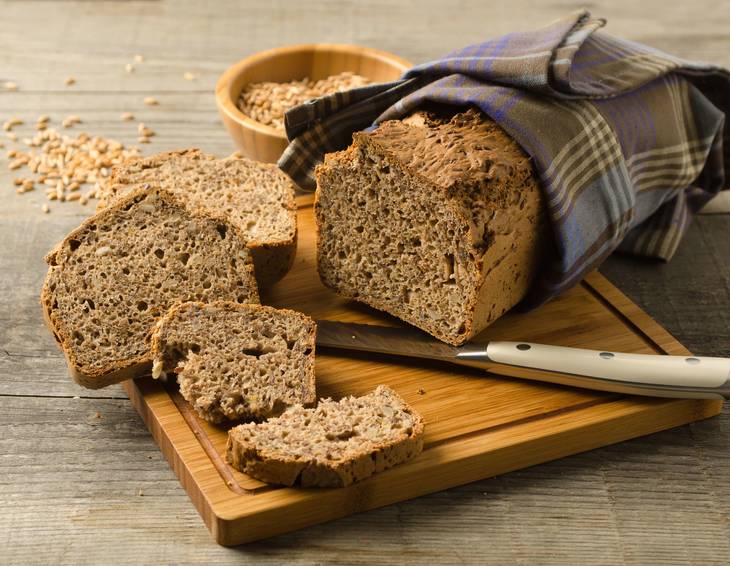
45 208
151 101
70 121
11 123
63 163
267 102
144 131
127 117
143 139
188 76
12 136
70 81
9 85
139 58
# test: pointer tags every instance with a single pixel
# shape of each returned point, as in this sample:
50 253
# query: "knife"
689 377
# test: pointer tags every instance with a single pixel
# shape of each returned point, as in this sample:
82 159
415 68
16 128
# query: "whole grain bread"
237 362
333 445
257 197
121 269
437 219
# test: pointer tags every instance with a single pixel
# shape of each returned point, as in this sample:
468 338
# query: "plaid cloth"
627 140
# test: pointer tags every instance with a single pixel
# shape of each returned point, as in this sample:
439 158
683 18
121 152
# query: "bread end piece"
438 220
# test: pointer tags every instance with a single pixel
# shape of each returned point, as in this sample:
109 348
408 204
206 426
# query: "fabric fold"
627 140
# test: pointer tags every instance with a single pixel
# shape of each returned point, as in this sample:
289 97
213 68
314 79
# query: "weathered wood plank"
72 478
689 295
69 484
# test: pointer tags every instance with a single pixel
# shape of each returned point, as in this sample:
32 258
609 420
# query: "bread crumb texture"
111 278
257 197
435 219
236 362
333 445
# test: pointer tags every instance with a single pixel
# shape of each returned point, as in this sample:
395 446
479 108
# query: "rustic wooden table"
81 480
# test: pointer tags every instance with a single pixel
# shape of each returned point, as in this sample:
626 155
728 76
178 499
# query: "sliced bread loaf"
436 219
256 197
237 361
333 445
113 276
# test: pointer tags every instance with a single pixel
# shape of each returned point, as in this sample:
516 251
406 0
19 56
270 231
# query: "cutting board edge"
263 514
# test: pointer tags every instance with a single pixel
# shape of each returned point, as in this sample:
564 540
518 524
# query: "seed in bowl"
267 102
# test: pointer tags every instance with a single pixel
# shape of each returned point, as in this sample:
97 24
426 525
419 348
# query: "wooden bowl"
316 61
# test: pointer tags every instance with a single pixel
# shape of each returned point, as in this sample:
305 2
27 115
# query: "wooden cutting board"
477 424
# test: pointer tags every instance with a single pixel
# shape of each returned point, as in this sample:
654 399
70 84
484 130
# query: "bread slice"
256 197
113 276
237 361
333 445
438 220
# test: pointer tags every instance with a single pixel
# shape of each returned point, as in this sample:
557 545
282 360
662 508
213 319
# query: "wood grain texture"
69 484
477 425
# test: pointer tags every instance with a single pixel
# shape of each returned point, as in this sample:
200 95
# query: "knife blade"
637 374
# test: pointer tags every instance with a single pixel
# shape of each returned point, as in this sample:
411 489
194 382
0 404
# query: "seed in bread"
113 276
436 219
256 197
237 362
333 445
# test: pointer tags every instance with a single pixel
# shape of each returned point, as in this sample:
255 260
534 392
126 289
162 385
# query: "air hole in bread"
73 245
253 352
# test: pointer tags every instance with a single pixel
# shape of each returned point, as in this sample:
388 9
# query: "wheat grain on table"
81 478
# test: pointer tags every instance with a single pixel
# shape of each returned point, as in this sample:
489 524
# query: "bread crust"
247 458
272 258
134 367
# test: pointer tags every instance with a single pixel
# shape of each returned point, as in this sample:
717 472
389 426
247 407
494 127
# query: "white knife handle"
642 374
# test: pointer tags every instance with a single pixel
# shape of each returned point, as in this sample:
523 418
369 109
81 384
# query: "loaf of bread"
236 361
256 197
435 219
113 276
333 445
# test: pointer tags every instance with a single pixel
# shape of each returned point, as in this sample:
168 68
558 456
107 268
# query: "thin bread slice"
257 197
237 361
333 445
121 269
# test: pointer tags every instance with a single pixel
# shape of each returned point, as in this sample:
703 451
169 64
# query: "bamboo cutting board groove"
477 424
